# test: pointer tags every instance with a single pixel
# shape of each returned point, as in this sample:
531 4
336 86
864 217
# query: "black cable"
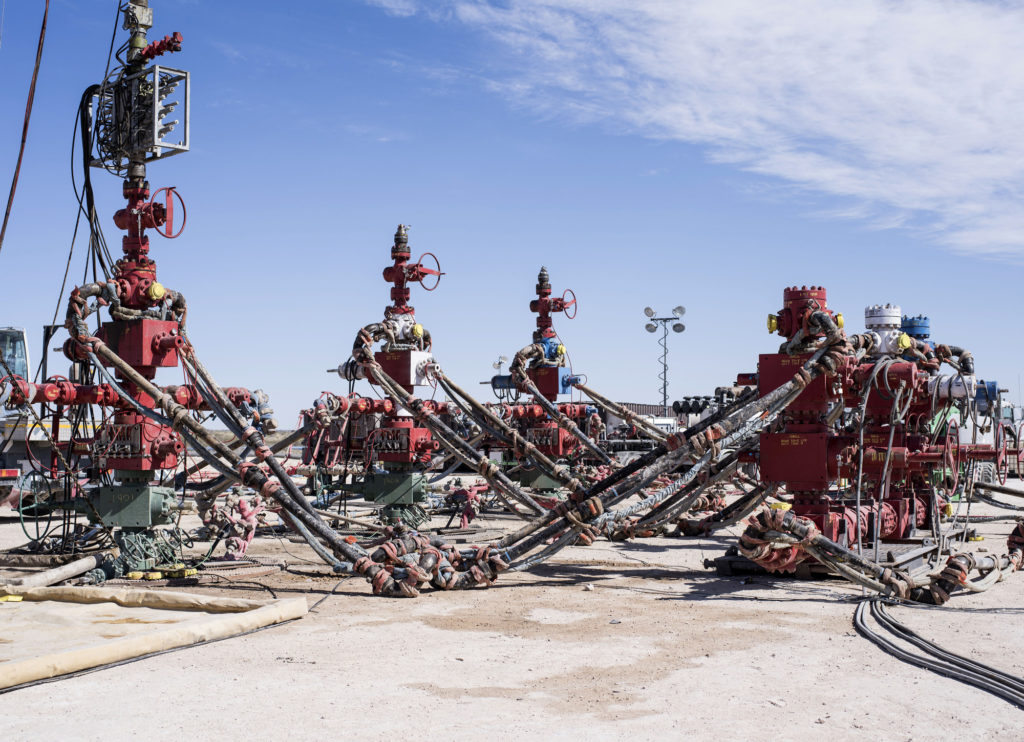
993 501
97 242
909 635
242 582
316 604
98 250
947 664
24 128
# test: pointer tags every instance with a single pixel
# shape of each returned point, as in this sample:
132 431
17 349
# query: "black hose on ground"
933 657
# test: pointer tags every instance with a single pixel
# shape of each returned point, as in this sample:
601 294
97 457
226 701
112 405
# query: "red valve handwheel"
567 303
423 271
1002 460
168 228
1019 434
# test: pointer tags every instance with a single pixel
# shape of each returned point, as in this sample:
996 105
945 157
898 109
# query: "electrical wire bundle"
933 657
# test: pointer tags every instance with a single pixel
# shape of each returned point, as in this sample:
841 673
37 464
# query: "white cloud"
400 8
912 109
230 51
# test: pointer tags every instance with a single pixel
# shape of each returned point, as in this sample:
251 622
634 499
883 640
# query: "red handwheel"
167 229
1019 445
1002 460
422 271
569 303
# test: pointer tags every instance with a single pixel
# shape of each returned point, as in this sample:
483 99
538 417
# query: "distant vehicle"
14 349
24 444
991 409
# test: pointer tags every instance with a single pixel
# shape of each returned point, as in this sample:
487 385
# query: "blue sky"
704 154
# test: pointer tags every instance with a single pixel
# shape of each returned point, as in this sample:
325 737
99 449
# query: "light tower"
652 326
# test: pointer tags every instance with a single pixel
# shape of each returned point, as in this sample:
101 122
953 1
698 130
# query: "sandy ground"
613 641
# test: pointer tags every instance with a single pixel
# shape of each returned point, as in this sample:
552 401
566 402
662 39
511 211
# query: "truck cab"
14 349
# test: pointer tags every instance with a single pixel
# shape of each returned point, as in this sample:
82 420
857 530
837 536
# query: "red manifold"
804 461
798 304
775 369
536 412
547 380
188 396
820 464
838 521
402 443
404 366
64 393
142 342
552 440
136 443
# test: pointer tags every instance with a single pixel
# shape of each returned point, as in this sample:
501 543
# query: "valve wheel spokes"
1019 435
569 303
35 483
1002 460
423 271
167 229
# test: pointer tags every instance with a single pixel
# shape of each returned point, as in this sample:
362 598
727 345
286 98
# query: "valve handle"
1018 434
1002 460
422 271
167 229
567 303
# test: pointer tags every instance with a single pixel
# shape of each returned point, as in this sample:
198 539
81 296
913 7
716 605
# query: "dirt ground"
612 641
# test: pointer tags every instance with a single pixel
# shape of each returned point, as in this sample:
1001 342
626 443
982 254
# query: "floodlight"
679 311
651 327
649 312
678 327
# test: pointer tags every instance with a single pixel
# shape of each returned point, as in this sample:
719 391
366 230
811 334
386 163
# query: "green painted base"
397 488
130 506
399 493
538 480
413 516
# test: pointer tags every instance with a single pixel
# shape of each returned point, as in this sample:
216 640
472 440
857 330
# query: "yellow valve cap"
948 510
417 330
773 323
561 350
156 291
780 506
904 341
133 576
10 598
840 322
154 575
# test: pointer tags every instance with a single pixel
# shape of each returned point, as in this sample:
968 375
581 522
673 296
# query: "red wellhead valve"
798 306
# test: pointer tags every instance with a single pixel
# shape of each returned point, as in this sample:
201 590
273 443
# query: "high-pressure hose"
627 415
518 370
964 359
288 496
362 354
512 436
